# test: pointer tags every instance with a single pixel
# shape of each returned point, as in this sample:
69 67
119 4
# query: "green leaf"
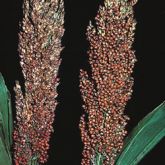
4 158
144 137
6 124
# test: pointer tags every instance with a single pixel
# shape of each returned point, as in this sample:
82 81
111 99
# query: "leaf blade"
4 159
4 108
144 137
6 125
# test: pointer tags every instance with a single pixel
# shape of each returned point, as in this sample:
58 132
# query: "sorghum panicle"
39 49
107 89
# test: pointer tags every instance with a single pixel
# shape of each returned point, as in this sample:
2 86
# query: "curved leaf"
4 157
144 137
6 125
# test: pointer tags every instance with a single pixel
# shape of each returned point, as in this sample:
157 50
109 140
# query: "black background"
149 87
